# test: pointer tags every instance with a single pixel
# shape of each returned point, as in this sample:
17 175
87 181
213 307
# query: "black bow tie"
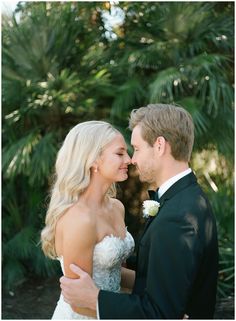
154 195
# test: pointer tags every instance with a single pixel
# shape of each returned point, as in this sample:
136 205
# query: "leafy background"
68 62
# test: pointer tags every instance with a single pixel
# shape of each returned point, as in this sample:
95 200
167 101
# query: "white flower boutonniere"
150 208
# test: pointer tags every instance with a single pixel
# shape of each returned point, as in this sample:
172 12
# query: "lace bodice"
107 259
108 256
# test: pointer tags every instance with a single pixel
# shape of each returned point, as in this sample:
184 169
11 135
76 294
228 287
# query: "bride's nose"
127 160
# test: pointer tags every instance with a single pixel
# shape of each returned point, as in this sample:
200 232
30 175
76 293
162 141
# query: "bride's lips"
124 169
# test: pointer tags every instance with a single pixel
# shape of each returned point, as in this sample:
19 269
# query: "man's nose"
133 160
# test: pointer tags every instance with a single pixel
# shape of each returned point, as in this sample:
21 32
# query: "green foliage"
63 64
226 269
223 207
23 214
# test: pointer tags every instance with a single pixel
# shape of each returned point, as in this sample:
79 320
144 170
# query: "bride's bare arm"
127 278
78 238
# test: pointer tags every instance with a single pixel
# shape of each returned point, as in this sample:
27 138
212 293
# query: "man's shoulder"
190 199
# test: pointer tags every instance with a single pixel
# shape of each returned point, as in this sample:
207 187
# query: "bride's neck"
95 194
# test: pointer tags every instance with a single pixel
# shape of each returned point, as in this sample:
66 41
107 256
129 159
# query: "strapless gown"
107 259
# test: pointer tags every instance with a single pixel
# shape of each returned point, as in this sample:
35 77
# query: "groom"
177 257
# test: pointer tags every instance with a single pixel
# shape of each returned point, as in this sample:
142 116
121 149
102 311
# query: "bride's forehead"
117 142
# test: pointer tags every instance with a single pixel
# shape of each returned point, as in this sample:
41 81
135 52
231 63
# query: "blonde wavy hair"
81 147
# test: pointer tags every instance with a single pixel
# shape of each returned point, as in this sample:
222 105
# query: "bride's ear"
94 167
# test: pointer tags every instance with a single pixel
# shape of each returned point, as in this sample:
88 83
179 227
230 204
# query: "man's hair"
174 123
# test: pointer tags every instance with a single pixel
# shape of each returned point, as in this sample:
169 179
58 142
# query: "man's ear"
160 144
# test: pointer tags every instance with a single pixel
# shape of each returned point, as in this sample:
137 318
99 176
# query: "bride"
84 222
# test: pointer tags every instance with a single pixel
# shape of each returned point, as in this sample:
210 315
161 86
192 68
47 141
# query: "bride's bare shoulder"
118 206
78 216
75 232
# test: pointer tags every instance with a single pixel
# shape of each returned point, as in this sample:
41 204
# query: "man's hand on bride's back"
81 292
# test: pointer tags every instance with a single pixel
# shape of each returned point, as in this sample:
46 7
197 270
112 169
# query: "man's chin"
146 180
143 179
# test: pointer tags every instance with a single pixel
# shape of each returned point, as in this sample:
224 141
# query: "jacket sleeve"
173 257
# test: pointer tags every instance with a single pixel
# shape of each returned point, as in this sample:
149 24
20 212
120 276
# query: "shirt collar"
165 186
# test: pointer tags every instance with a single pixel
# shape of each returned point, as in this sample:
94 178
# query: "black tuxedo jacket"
177 261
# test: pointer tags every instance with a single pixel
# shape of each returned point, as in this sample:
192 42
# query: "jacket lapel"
181 184
174 189
148 222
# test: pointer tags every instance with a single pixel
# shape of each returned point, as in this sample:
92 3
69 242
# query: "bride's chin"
124 178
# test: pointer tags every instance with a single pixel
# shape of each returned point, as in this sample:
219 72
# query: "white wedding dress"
107 259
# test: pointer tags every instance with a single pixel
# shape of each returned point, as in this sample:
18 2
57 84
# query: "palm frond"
43 158
21 245
166 83
13 273
201 121
226 269
12 215
129 95
16 158
43 265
